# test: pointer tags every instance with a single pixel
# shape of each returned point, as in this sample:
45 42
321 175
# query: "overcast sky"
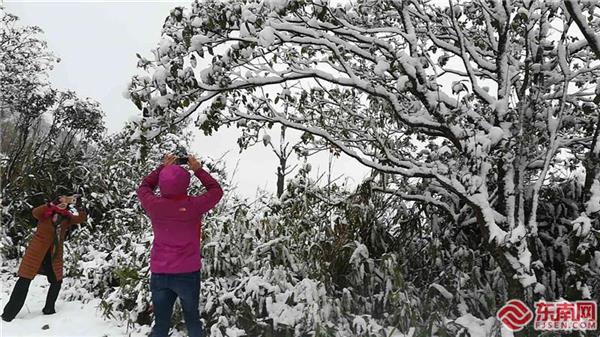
97 43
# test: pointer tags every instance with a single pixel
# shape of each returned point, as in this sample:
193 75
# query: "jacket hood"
173 181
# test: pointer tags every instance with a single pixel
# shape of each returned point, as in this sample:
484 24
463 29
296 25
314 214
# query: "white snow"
517 234
443 150
246 52
584 289
321 2
496 233
248 16
162 101
522 266
68 103
145 79
282 313
593 205
197 22
447 295
458 86
582 225
539 288
501 106
523 11
149 134
204 75
359 324
266 37
360 252
476 326
197 41
165 44
234 332
525 256
244 32
276 4
381 67
527 279
402 82
72 318
201 119
160 75
496 134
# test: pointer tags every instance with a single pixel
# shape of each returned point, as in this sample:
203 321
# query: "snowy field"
72 318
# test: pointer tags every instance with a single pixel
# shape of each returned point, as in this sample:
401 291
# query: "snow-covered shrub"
309 262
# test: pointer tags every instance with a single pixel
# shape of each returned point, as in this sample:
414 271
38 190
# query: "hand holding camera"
181 157
64 201
169 159
193 163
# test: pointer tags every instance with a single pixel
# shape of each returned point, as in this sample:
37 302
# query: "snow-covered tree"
469 108
24 63
45 133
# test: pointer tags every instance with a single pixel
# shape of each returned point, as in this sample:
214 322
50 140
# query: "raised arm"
207 200
81 216
145 192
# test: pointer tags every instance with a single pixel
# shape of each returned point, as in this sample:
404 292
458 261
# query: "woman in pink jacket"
175 259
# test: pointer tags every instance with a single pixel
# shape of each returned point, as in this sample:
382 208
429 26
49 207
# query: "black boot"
17 299
51 298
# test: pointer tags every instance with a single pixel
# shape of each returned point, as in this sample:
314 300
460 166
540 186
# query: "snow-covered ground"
72 318
76 318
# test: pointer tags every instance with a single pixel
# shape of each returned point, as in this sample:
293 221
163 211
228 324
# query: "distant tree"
47 135
24 90
24 62
472 109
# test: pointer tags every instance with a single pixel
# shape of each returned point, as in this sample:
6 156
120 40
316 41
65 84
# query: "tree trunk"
281 176
591 163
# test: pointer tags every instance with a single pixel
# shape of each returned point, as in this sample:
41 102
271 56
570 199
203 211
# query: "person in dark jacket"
175 259
44 255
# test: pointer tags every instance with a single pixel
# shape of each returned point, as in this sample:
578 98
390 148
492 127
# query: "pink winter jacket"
176 217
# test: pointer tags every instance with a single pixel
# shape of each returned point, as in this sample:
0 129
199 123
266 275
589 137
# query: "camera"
182 156
182 160
72 199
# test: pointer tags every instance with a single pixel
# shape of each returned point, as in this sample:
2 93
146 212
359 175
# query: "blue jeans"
165 289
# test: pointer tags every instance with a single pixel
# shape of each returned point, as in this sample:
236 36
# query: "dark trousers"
19 293
165 290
